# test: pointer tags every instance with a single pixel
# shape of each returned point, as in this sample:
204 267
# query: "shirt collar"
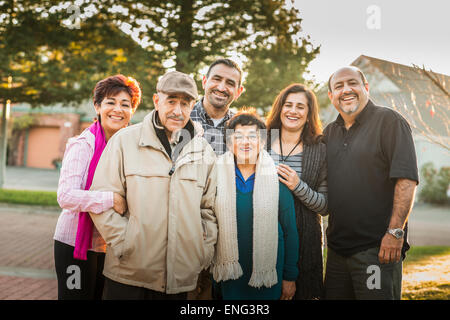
161 133
362 117
204 115
241 177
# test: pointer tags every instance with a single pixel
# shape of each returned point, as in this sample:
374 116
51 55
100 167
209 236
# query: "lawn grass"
427 290
28 197
426 273
420 254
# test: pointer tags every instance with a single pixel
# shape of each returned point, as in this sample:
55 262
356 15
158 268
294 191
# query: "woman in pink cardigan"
79 249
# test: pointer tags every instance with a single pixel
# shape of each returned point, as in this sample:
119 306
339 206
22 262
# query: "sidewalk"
26 254
22 178
26 239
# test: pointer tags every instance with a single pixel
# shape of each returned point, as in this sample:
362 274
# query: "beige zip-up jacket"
169 232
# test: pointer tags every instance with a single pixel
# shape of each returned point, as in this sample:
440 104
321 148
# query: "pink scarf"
83 241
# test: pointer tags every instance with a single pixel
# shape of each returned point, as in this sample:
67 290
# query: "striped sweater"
316 201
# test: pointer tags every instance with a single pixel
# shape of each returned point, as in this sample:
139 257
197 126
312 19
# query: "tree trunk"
3 141
184 37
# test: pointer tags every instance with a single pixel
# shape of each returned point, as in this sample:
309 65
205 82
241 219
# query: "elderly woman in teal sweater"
257 246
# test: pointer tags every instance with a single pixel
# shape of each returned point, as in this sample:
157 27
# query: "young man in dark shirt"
372 178
222 85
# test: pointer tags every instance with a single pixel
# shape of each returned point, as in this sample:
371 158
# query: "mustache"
222 92
179 118
348 95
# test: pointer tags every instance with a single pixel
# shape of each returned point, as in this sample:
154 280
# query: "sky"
406 32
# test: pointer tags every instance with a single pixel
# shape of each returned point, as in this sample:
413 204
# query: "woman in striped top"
294 143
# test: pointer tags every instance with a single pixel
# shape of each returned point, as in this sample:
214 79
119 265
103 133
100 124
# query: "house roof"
421 97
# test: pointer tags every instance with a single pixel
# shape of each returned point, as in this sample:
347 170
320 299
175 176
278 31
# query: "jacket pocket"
208 254
190 167
128 243
207 251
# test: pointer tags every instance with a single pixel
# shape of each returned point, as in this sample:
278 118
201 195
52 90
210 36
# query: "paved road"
429 226
26 247
22 178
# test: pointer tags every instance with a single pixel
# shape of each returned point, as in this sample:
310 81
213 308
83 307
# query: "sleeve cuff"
289 277
402 174
290 273
108 202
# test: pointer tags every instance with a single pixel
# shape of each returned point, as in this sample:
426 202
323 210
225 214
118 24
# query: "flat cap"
177 82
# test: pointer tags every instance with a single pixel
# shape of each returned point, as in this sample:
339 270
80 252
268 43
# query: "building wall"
428 151
84 125
42 147
46 140
20 149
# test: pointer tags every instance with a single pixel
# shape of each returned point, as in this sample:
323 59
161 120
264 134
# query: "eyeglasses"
251 137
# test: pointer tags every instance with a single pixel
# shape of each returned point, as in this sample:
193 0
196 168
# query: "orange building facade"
42 144
37 138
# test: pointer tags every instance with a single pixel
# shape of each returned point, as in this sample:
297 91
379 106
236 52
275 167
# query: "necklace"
281 150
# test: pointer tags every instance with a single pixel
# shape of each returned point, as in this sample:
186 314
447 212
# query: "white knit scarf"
265 222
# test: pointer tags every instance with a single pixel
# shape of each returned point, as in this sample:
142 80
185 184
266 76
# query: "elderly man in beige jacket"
167 173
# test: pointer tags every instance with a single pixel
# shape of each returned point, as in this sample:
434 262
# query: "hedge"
41 198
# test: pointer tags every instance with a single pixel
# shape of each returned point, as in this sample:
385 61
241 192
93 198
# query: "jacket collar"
149 136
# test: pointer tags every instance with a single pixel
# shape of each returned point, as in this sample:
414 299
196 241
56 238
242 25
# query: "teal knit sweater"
287 255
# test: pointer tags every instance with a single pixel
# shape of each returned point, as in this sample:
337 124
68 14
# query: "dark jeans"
361 276
78 279
118 291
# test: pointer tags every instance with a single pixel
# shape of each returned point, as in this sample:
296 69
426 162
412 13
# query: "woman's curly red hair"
111 86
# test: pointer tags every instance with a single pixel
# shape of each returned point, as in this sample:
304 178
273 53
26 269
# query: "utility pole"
4 138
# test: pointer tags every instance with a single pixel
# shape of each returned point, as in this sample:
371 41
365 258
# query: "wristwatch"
397 233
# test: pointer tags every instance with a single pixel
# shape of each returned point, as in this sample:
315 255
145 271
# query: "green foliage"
436 184
273 68
266 33
322 97
51 62
194 33
42 198
419 253
23 122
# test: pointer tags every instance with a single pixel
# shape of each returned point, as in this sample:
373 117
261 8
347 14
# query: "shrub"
42 198
436 184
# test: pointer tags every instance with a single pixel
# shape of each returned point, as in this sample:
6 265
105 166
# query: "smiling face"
348 92
174 110
115 113
294 112
246 142
222 86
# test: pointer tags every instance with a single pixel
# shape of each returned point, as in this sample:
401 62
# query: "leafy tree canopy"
51 61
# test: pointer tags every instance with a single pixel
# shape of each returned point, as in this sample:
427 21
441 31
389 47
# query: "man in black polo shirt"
372 178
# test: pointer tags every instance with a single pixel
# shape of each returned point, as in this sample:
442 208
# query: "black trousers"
118 291
78 279
362 277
